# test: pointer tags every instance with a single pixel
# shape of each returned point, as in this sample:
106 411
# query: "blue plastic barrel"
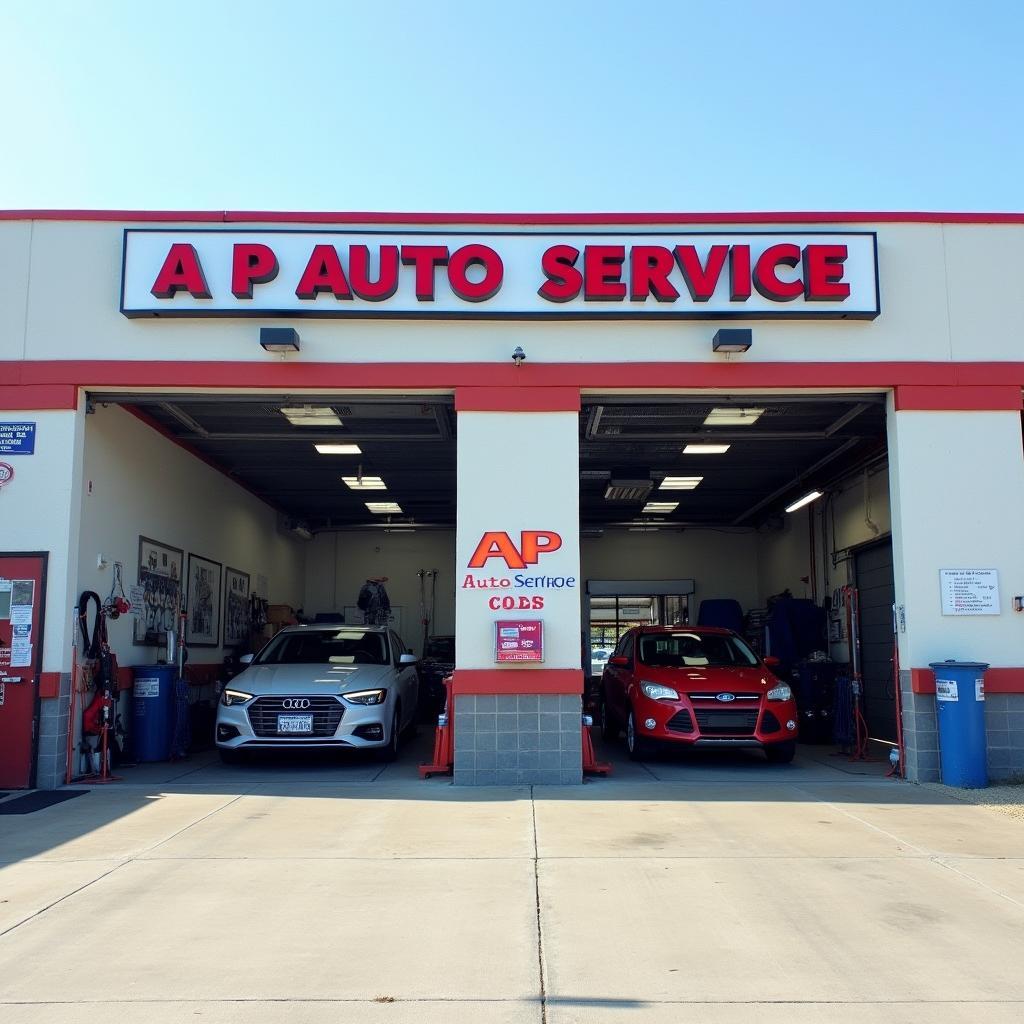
960 707
152 717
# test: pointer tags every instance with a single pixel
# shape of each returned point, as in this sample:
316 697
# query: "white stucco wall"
136 482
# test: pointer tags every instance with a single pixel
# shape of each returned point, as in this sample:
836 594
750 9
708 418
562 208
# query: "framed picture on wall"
236 607
160 576
203 605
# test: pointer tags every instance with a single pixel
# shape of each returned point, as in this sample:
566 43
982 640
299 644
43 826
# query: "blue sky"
525 106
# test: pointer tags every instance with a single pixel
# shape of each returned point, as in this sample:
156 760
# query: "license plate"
294 723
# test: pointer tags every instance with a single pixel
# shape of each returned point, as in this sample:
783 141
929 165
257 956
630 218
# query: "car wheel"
639 749
609 730
390 752
780 753
229 756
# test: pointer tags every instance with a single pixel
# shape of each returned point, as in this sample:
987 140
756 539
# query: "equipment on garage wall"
428 596
373 601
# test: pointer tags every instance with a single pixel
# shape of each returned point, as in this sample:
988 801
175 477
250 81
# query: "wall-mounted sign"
970 591
518 640
519 275
17 438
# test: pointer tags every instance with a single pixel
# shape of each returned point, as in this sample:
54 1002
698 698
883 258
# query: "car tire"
780 753
229 756
390 752
639 749
609 728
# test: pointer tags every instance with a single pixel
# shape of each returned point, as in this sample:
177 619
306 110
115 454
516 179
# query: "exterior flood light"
279 339
732 339
728 416
805 500
311 416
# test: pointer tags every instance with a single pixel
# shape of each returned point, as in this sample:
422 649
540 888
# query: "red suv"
697 686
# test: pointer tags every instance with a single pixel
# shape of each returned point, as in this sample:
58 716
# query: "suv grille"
715 722
680 722
326 712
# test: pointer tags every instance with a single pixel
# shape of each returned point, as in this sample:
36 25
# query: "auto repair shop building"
522 391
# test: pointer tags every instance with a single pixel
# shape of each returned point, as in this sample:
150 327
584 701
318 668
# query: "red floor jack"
591 766
444 737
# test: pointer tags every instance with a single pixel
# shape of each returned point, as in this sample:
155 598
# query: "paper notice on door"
21 615
21 654
6 585
22 632
23 592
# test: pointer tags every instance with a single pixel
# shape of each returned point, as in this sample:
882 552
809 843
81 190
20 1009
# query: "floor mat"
37 801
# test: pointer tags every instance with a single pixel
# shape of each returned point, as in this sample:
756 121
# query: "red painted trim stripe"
555 399
997 680
518 680
526 219
164 374
963 397
27 397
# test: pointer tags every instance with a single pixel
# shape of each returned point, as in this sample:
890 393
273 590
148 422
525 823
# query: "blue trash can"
152 716
960 709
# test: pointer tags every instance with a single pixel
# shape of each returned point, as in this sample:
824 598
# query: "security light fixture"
680 483
518 356
706 449
805 500
365 483
279 339
661 506
311 416
384 507
732 417
732 339
338 449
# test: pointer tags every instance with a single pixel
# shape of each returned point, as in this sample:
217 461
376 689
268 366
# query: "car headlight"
780 692
231 697
657 691
366 696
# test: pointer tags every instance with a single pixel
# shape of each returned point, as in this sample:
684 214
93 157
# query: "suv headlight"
231 697
658 691
780 692
366 696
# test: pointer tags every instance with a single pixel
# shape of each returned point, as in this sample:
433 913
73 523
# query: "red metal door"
22 600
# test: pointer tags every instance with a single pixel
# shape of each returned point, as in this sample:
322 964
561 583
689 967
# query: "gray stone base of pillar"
523 739
53 737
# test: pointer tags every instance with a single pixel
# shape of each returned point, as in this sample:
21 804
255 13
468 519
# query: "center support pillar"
518 675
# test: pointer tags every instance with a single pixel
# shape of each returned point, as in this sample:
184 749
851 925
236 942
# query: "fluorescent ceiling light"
805 500
731 417
660 506
311 416
706 449
680 483
381 507
643 529
338 449
365 483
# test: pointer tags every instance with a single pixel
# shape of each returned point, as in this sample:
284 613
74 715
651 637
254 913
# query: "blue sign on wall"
17 438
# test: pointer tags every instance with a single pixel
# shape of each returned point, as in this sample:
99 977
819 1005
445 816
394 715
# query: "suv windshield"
682 650
326 647
442 648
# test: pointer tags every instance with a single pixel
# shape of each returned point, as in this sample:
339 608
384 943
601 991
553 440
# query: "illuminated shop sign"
682 275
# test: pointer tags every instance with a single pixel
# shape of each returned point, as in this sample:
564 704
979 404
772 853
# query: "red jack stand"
444 738
590 763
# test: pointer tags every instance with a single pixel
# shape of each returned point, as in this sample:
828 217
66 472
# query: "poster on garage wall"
160 575
204 602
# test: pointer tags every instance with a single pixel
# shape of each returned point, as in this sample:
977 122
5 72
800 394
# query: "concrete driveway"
713 891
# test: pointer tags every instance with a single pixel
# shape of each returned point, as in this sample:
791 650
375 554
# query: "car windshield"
697 650
440 647
326 647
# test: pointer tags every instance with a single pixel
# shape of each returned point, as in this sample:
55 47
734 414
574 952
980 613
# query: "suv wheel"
609 729
390 752
639 749
780 753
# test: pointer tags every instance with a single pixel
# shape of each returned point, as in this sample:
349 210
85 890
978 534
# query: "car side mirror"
246 659
771 661
620 659
407 659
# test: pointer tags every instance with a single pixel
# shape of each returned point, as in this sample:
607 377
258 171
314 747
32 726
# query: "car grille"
680 722
326 712
713 695
715 722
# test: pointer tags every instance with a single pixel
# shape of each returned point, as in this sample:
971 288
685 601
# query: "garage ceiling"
793 445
